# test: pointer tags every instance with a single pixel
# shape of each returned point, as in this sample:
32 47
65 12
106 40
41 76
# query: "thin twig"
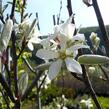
7 103
1 18
6 87
33 84
58 18
104 72
13 9
15 63
38 21
88 83
9 76
69 7
28 65
54 20
77 77
42 82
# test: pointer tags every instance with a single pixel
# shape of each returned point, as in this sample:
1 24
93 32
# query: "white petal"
46 54
6 35
68 29
54 69
79 37
35 40
69 20
78 46
30 46
73 66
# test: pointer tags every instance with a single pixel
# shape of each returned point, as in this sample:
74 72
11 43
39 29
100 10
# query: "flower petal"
79 37
68 29
30 46
46 54
35 40
73 66
54 69
78 46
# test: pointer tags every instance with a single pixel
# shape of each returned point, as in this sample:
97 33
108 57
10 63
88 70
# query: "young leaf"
23 83
92 59
6 35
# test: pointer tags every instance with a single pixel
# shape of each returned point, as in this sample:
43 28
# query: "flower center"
62 55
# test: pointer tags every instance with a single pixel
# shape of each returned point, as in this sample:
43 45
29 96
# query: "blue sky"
83 15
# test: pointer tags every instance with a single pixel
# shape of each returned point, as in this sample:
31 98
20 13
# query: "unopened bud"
6 35
95 40
91 69
88 2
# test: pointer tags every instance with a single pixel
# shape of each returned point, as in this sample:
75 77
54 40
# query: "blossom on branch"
66 50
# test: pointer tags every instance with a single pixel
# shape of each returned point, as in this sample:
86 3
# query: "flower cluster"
62 49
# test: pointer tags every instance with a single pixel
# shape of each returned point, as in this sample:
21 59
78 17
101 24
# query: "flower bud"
91 69
95 40
88 2
6 35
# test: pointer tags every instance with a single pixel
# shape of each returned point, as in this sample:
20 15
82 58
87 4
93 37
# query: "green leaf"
92 59
23 83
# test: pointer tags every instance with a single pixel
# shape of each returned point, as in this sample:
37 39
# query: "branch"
88 83
1 18
85 75
39 87
28 65
15 70
6 87
38 21
58 17
8 107
13 9
77 77
102 26
104 72
54 20
69 7
33 84
14 58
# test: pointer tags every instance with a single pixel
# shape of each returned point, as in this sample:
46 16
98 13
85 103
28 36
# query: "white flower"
65 31
64 55
24 27
64 107
34 38
67 49
87 102
30 32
